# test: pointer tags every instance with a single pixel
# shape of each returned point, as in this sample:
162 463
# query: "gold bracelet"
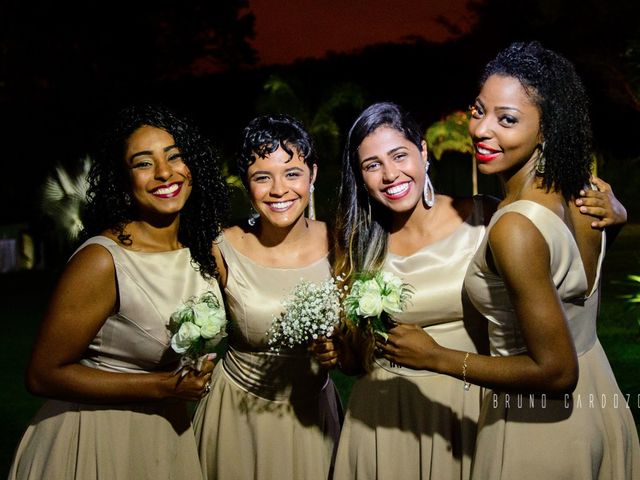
467 385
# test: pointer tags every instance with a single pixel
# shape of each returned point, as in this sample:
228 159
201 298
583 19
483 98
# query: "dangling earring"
127 199
429 193
312 204
253 217
541 163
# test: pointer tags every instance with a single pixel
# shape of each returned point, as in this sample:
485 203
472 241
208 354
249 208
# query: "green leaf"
450 134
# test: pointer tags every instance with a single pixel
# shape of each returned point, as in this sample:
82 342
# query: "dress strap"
101 240
226 249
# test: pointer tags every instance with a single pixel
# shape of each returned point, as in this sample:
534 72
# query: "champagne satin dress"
589 434
414 424
146 440
269 415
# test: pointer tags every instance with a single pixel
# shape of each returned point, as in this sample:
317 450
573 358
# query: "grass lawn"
24 297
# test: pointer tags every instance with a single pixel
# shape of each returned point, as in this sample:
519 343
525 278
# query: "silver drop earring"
312 204
253 217
429 193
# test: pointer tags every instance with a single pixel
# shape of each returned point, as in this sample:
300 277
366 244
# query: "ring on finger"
207 388
381 337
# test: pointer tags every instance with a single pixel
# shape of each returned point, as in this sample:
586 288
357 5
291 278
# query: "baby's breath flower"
310 311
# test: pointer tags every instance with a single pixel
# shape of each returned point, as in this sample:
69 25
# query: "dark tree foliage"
65 66
58 46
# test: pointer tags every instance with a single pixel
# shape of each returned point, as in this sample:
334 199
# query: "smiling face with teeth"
393 169
160 180
279 187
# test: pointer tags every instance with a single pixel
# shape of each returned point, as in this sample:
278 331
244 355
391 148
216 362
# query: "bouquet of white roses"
197 326
373 297
312 310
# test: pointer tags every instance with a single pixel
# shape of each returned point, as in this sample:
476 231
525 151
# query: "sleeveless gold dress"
146 440
415 424
589 434
269 415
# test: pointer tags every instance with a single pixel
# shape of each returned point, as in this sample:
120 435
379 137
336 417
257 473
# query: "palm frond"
64 196
450 134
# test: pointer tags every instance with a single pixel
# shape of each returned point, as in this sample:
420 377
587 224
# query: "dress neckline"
141 252
267 267
465 223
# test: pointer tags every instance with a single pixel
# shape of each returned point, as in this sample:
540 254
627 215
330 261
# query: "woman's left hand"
409 346
325 352
603 204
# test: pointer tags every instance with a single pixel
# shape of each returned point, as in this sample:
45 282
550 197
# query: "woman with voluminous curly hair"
117 399
552 408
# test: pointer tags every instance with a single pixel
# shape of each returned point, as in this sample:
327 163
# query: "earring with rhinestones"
429 193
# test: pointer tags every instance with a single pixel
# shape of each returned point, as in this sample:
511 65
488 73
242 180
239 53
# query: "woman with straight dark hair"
403 423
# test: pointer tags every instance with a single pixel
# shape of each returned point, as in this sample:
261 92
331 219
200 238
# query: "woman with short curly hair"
272 412
535 277
117 402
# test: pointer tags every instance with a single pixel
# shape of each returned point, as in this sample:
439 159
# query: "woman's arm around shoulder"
601 204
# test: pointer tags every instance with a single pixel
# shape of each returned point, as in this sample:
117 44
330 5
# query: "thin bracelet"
467 385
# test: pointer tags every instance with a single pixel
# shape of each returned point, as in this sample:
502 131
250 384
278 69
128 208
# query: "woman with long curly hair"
553 408
117 405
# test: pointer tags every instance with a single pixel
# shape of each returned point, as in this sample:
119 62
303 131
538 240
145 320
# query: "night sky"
65 68
287 31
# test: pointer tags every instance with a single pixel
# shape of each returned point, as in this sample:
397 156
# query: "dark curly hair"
552 83
108 199
264 134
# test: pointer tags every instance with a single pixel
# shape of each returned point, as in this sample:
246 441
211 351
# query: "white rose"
391 280
370 287
181 314
218 316
200 313
391 302
370 304
211 327
182 340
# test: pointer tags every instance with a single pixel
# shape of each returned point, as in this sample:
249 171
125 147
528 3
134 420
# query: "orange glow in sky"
286 31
